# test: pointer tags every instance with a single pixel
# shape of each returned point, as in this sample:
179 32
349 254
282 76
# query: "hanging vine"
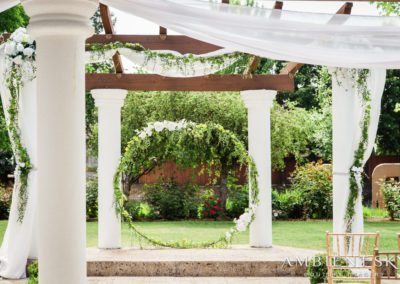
360 78
20 57
204 144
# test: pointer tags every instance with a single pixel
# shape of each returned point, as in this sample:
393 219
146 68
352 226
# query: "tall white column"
109 103
60 28
259 103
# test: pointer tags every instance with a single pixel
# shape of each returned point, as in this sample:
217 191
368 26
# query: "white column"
60 28
346 129
109 103
259 103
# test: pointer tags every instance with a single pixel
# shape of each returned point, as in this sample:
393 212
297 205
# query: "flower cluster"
160 126
20 56
212 208
243 222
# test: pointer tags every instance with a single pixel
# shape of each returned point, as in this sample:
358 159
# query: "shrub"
33 273
287 204
5 202
138 210
238 200
314 182
171 201
91 199
391 197
317 270
211 205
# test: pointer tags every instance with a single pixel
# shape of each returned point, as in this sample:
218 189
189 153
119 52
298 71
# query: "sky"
128 24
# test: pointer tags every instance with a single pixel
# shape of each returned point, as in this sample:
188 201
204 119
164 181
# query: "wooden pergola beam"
217 83
182 44
109 30
293 67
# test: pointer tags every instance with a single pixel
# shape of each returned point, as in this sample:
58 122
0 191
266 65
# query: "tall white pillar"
346 129
60 28
109 103
259 103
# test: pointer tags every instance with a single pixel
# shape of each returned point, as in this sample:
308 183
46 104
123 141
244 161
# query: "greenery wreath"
189 145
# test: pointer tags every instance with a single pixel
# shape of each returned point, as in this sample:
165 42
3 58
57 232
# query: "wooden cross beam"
109 30
217 83
293 67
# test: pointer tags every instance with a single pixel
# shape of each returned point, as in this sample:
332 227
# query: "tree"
12 19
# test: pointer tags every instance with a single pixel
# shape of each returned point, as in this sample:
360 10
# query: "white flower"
21 165
18 60
20 47
10 48
29 40
171 126
240 226
142 135
148 131
159 126
245 217
28 51
228 235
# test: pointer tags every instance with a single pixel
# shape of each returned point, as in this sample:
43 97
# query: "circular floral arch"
189 145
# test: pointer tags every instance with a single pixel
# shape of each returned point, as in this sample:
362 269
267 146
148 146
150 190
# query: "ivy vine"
188 144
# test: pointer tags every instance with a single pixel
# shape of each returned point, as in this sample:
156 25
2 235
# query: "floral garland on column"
20 68
360 76
132 163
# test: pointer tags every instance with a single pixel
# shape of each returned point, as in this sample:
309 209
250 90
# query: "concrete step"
239 261
199 280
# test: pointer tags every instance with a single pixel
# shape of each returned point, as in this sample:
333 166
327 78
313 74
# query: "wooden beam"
163 33
278 5
109 30
182 44
345 9
218 83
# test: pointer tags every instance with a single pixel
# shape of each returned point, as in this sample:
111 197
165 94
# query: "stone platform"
239 261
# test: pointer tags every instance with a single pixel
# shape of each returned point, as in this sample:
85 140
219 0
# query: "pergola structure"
109 91
60 28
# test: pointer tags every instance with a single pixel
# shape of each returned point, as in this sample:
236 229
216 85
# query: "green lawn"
303 234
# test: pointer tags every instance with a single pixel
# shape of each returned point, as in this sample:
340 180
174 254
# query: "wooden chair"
358 251
389 267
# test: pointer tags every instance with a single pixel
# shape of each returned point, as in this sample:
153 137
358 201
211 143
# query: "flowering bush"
391 197
212 208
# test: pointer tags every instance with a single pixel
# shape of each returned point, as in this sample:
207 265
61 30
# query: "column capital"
109 97
258 98
62 17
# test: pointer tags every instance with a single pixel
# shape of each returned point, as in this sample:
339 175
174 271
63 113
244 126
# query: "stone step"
235 262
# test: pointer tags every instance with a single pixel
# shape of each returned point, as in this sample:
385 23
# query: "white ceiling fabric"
314 38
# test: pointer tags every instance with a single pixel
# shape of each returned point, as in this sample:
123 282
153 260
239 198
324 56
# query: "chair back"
352 256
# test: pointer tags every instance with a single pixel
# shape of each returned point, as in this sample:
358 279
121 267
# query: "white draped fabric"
6 4
19 240
347 109
163 66
314 38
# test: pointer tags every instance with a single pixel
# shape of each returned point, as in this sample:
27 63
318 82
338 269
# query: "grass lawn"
302 234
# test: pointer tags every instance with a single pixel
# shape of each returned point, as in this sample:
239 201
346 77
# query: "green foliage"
391 197
238 200
291 129
5 202
33 273
171 201
211 206
91 199
388 136
138 210
314 182
317 269
374 212
389 9
12 19
287 204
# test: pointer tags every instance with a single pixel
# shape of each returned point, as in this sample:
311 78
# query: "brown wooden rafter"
109 30
218 83
345 9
